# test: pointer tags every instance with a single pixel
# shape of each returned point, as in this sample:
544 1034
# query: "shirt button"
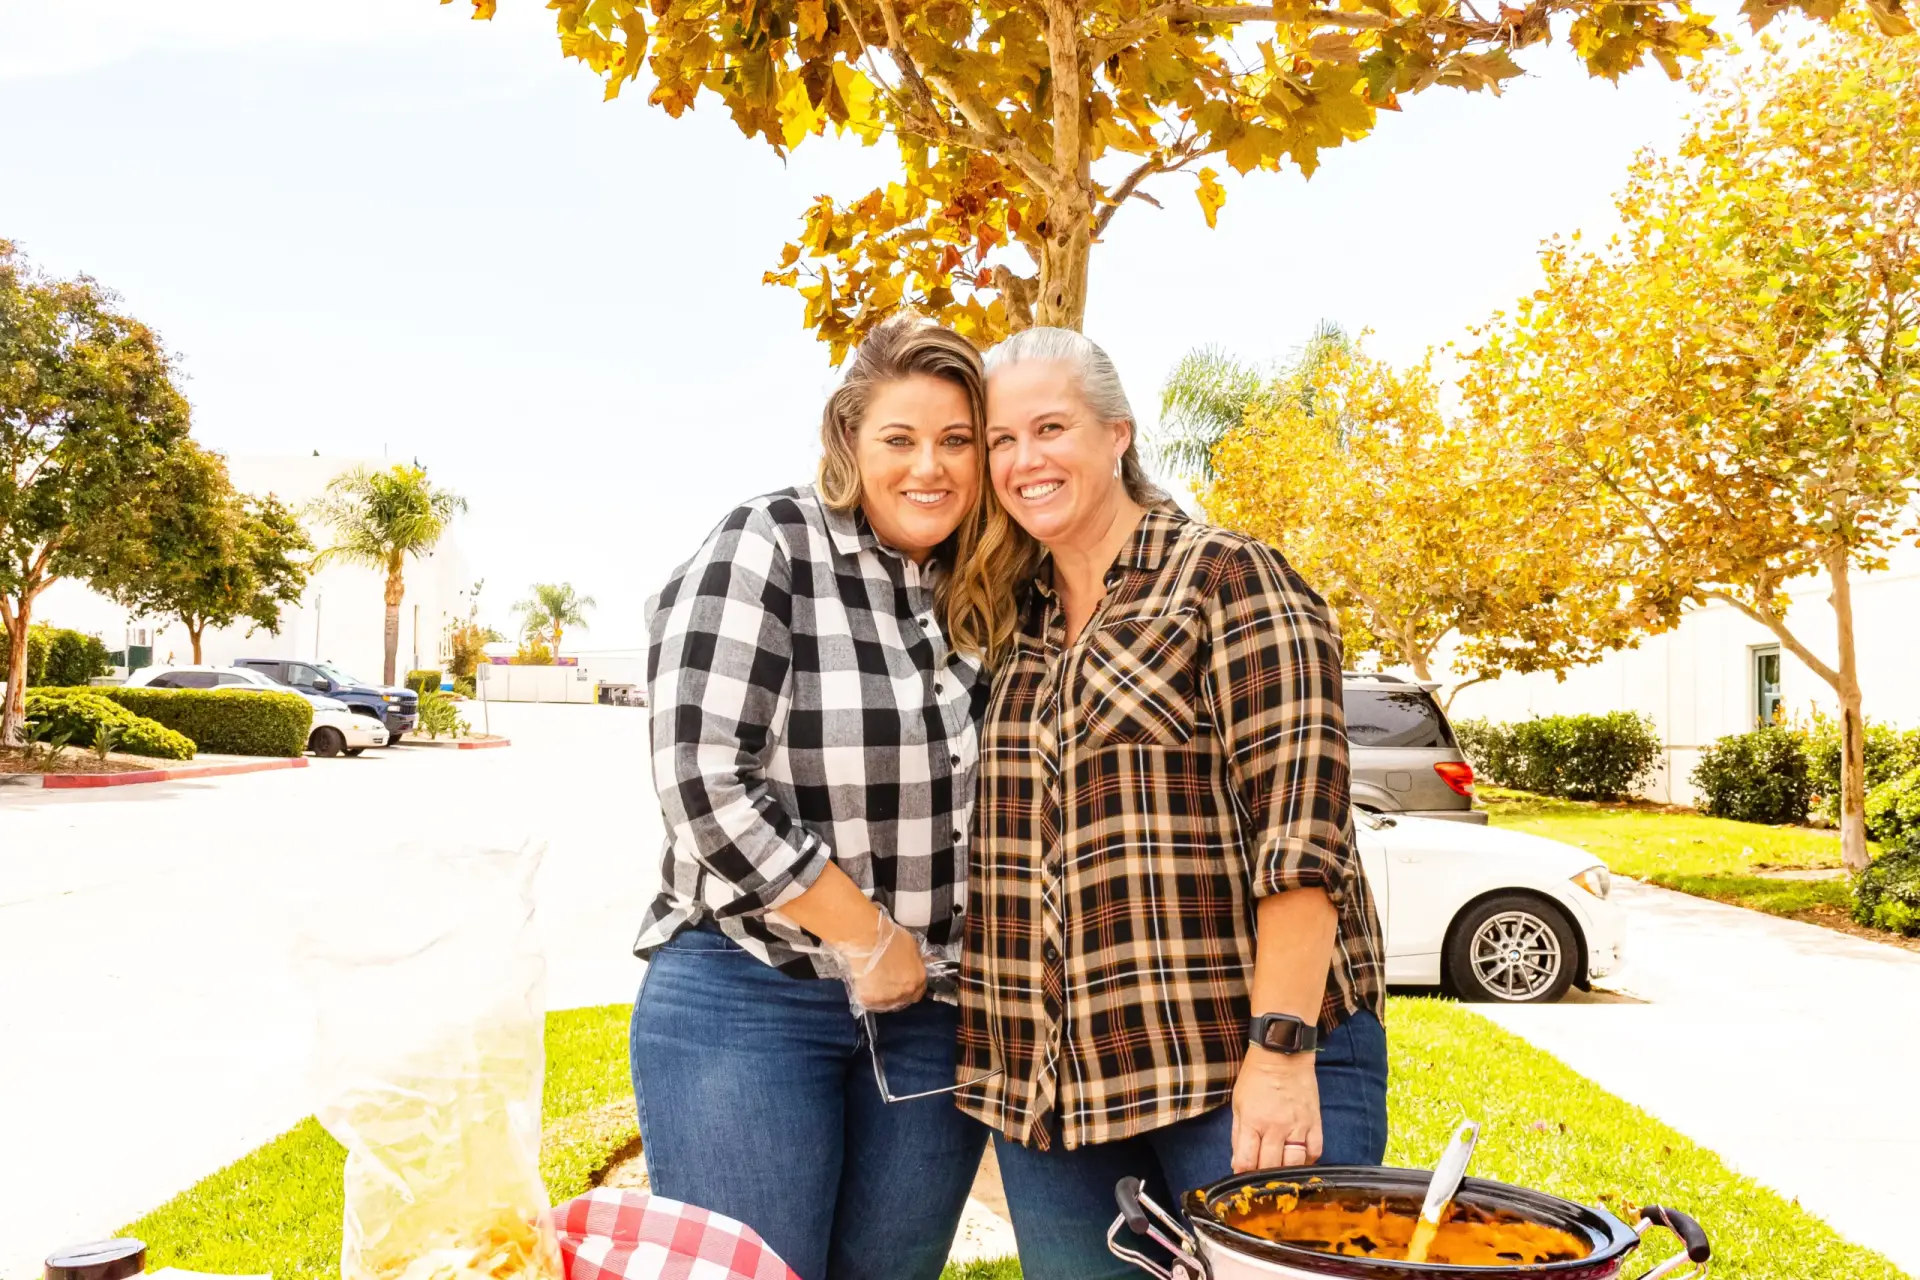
959 835
926 622
938 687
1050 952
954 761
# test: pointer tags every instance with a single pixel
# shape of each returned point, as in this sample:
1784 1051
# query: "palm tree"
379 519
1209 394
553 607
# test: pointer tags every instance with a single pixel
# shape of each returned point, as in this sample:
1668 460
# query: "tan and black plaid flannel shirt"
1139 791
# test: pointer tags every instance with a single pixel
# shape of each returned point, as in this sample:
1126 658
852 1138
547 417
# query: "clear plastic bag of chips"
430 1058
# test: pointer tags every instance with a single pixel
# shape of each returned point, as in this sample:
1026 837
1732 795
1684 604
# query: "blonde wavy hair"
971 597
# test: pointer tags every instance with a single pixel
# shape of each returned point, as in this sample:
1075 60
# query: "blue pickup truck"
397 708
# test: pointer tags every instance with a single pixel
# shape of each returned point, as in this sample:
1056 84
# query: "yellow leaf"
1212 195
813 19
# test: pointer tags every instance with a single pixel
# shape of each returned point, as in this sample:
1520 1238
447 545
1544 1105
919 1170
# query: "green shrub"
1893 810
1488 747
57 656
235 722
466 687
1887 894
423 682
74 658
439 716
1761 776
84 713
1889 753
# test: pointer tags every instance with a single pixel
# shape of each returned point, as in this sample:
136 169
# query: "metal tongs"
1135 1208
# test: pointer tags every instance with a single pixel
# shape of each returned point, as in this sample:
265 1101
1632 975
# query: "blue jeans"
1062 1201
757 1101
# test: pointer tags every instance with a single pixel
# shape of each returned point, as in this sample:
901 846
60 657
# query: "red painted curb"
77 781
482 746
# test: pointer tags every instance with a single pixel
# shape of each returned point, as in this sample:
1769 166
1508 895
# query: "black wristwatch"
1282 1033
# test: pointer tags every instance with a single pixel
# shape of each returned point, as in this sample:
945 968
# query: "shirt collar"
849 530
1147 549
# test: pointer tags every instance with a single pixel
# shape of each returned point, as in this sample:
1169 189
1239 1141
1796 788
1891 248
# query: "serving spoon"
1447 1174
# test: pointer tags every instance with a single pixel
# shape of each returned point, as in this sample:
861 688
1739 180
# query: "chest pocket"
1138 682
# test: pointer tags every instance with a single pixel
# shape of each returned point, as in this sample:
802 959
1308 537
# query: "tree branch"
1778 625
983 130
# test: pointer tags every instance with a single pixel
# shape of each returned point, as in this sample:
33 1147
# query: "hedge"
1761 776
1893 810
423 681
58 657
1889 753
1581 757
1887 894
234 722
83 713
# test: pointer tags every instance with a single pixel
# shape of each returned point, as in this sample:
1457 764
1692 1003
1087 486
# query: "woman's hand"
1276 1111
898 975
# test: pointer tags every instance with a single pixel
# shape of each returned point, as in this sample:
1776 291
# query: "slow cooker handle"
1699 1249
1135 1208
1697 1252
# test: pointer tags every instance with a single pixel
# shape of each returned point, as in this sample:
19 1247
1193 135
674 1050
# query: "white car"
1494 915
335 728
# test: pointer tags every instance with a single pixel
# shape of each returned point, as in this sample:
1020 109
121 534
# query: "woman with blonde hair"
815 679
1173 964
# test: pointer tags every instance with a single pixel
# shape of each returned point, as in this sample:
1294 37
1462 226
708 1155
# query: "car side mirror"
323 685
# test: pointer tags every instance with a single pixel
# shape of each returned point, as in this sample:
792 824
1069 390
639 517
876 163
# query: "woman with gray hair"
1172 964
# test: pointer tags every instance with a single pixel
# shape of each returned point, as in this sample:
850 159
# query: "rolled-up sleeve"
719 654
1274 685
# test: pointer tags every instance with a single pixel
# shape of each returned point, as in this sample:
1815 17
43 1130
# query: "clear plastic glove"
886 975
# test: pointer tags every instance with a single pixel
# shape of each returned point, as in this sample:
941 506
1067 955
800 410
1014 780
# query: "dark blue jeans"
757 1100
1062 1201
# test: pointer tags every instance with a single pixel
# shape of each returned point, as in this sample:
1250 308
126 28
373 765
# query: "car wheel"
1512 949
327 741
354 751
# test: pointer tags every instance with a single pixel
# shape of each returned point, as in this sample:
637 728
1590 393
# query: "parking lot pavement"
1787 1048
153 1024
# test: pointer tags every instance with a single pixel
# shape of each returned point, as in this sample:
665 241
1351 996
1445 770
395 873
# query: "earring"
1119 465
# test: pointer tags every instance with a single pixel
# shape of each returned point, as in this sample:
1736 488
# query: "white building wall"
1697 681
342 616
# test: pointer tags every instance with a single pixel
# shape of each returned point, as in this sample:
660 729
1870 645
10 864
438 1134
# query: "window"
188 680
1768 706
1395 718
225 678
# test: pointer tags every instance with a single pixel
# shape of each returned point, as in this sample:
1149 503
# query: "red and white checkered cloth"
630 1235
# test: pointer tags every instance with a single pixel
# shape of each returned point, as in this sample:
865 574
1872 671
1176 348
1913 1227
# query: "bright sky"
375 225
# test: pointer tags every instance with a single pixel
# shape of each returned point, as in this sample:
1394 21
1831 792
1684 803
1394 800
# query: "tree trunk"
194 633
396 592
1853 737
13 716
1067 245
556 642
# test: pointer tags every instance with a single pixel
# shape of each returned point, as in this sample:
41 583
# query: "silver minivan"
1404 757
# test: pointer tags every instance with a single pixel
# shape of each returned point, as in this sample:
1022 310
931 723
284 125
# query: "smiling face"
919 462
1052 460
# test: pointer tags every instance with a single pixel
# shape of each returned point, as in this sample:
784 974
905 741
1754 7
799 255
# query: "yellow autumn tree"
1420 530
1735 379
1023 127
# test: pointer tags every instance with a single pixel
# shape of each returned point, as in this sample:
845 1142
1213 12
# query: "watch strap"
1283 1033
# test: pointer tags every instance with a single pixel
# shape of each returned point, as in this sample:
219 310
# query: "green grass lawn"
278 1209
1708 857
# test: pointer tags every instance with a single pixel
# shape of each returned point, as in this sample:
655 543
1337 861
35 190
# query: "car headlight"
1597 881
390 697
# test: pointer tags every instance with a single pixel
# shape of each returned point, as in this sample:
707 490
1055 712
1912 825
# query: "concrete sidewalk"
1789 1049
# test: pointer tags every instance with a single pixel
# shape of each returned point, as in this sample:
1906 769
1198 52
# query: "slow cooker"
1208 1246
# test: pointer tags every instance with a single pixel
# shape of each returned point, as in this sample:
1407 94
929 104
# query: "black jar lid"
102 1260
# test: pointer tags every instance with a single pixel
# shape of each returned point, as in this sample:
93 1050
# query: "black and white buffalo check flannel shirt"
807 707
1140 789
